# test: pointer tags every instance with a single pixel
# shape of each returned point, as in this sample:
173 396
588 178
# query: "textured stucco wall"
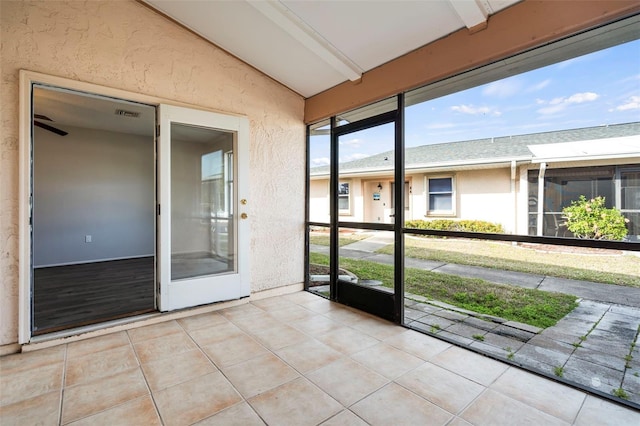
125 45
486 195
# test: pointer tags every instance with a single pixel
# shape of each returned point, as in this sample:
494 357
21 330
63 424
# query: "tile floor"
289 360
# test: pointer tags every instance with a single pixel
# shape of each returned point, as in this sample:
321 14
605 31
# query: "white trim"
24 212
448 166
626 157
286 20
178 294
470 12
441 213
345 212
27 80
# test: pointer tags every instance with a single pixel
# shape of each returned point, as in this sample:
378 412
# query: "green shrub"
591 219
456 225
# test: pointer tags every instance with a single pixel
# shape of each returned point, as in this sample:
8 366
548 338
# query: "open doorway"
93 209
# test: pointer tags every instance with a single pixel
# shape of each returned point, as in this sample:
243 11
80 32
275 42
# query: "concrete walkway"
596 345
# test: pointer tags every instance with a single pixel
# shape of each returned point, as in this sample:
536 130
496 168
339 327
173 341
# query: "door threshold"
100 329
91 328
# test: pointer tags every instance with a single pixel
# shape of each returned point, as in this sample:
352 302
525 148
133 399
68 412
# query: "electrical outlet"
87 238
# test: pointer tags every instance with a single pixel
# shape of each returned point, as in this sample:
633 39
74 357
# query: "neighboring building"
495 180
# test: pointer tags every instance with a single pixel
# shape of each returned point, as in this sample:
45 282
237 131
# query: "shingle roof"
492 150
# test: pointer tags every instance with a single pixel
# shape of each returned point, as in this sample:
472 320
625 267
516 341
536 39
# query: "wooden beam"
523 26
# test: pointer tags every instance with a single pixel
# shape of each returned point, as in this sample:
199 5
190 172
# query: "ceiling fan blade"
50 128
42 117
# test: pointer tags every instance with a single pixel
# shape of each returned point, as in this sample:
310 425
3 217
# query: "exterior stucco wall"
486 195
319 201
480 195
127 46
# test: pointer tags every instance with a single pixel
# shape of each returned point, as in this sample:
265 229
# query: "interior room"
201 220
93 219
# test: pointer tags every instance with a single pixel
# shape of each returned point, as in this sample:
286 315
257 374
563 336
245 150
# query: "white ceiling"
313 45
69 108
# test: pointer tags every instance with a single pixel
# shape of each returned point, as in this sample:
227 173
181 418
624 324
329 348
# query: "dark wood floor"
76 295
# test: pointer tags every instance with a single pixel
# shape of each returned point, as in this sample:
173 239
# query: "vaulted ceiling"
313 45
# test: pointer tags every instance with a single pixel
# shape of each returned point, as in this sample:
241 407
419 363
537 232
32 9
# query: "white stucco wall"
486 195
319 210
125 45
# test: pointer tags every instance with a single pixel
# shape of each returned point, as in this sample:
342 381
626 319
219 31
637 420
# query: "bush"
456 225
591 219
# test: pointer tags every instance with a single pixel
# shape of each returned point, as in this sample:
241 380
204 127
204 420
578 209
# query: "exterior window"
344 201
440 195
629 201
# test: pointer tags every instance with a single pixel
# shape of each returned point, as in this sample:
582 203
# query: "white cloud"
561 103
321 161
539 86
502 88
472 110
632 102
352 157
354 143
579 98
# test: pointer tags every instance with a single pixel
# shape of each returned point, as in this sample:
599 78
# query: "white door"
203 240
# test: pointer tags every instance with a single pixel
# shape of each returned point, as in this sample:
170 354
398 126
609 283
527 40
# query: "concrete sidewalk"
596 345
607 293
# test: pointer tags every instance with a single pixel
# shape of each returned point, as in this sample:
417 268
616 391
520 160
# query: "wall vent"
125 113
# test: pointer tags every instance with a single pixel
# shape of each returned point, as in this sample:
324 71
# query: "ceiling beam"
290 23
473 13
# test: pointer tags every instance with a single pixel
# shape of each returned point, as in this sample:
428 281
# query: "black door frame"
385 304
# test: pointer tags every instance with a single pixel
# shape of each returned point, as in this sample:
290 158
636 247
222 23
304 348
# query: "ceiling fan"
46 126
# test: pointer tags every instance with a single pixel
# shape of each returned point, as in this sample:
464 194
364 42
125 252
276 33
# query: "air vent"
125 113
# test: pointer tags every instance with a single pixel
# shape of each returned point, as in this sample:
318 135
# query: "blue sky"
592 90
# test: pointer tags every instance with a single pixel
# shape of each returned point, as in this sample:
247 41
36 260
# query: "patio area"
296 359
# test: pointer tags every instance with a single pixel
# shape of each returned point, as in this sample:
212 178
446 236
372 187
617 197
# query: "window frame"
440 213
347 211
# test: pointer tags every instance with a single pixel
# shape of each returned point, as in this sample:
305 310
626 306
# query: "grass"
558 371
323 240
510 353
620 269
478 337
530 306
620 393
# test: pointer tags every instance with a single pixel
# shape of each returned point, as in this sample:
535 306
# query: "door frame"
369 299
26 81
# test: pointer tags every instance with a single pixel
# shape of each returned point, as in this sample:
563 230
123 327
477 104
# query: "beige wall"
486 195
480 195
124 45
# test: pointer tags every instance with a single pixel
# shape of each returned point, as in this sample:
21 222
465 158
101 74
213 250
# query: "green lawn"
620 269
534 307
602 268
323 240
